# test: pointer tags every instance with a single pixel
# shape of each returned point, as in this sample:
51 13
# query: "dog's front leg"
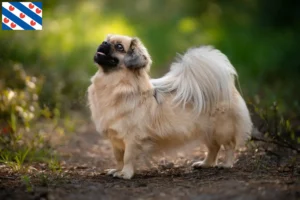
129 158
119 154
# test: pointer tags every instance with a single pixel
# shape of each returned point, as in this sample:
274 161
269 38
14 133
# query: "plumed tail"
202 76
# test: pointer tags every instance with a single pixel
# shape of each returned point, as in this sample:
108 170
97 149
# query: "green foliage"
276 128
260 44
54 165
19 99
20 111
27 183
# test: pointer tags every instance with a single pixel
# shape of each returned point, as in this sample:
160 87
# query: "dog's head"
122 52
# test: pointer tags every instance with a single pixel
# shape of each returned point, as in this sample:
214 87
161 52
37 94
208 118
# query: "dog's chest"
109 112
99 108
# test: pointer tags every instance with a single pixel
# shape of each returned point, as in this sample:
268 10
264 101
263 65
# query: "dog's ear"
137 56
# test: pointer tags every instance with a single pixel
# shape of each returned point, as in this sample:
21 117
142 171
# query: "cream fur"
196 100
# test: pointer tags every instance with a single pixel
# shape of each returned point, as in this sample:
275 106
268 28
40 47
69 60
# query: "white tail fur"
203 76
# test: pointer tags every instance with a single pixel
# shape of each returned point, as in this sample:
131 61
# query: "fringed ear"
137 56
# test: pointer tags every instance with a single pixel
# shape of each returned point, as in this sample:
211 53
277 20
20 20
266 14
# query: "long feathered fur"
203 76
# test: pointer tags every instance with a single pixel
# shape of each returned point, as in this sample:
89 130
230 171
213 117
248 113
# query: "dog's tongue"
100 53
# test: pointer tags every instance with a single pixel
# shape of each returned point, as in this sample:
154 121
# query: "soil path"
86 155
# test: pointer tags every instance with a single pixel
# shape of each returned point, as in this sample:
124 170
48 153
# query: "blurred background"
260 37
45 74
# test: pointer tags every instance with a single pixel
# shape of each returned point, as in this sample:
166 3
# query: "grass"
25 179
14 159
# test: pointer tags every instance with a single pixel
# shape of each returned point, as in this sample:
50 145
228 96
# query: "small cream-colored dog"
196 100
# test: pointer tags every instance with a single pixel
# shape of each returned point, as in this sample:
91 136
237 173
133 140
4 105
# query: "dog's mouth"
105 60
101 53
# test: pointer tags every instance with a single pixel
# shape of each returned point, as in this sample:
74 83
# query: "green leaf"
13 121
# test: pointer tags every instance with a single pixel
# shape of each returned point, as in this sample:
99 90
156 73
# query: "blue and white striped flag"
22 16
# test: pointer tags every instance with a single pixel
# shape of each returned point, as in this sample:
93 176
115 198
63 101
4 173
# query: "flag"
22 16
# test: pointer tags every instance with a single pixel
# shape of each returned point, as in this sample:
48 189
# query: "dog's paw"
123 174
201 164
111 171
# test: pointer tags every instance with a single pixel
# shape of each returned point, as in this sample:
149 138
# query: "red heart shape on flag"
6 20
38 11
22 15
31 6
11 8
13 25
32 23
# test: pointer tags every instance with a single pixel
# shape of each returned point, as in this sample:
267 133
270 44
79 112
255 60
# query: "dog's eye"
119 47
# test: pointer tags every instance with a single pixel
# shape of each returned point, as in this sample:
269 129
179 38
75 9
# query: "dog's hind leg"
229 155
211 158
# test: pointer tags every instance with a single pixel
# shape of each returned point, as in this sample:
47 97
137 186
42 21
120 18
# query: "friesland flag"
22 16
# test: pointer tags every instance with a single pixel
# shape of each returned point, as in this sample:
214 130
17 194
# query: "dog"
196 100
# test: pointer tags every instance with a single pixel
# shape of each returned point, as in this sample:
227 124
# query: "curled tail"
202 76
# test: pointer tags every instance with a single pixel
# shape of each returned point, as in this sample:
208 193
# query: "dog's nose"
104 47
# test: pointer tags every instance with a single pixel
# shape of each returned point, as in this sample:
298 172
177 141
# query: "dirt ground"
256 175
